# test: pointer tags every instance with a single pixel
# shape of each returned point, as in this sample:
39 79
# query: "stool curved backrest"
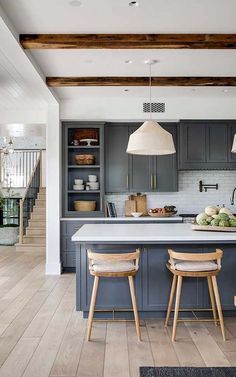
108 257
199 257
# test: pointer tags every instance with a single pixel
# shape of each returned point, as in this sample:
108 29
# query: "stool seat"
196 266
122 266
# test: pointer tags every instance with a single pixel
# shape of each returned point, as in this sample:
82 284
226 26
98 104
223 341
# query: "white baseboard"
53 269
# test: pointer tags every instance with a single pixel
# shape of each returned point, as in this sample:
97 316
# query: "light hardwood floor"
42 335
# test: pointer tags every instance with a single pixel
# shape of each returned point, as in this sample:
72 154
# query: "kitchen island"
153 280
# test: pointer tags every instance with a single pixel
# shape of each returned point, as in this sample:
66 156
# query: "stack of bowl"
93 184
78 186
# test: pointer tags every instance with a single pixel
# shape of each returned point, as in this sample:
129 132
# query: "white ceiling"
115 16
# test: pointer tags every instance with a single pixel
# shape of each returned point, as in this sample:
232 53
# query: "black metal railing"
28 200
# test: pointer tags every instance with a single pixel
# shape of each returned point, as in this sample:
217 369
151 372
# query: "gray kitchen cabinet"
192 145
205 145
116 158
231 133
165 175
136 173
140 170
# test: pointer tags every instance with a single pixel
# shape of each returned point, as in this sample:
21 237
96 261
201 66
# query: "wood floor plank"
185 348
206 345
40 322
140 353
91 361
67 359
15 330
42 361
19 357
116 362
161 345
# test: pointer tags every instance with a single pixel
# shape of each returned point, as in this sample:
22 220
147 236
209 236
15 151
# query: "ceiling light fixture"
75 3
150 139
134 4
126 90
225 90
128 61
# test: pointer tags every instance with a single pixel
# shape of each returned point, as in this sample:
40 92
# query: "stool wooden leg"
134 303
172 293
177 301
218 304
211 293
92 306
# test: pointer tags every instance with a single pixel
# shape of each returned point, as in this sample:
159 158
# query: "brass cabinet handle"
127 181
151 181
155 181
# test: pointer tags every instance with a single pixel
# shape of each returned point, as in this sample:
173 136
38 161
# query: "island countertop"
148 233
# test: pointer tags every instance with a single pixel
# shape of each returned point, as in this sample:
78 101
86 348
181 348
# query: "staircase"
35 236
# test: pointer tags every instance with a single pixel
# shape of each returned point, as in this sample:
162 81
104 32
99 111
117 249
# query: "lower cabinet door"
157 280
69 259
113 293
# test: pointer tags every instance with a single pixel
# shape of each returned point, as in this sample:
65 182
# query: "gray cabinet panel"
231 133
165 167
216 140
192 145
136 173
206 145
140 171
116 158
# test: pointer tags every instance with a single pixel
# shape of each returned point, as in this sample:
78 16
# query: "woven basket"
85 205
84 159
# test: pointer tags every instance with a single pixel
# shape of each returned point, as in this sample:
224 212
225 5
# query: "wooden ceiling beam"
140 81
128 41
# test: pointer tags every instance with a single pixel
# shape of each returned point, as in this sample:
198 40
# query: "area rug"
187 372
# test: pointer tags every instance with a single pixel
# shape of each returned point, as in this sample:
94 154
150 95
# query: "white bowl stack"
78 186
93 184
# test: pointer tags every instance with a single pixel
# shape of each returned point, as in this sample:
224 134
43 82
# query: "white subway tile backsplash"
188 199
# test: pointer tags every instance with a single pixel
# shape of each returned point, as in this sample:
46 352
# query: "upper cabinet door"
231 133
217 142
140 171
116 158
192 145
165 167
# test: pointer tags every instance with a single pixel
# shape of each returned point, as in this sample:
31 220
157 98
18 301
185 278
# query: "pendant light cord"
150 90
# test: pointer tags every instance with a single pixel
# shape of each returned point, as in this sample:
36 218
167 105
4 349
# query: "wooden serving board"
141 202
211 228
130 206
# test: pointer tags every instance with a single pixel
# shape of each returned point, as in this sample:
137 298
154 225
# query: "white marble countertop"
124 218
142 233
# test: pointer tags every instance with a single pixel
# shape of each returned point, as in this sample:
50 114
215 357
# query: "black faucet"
232 197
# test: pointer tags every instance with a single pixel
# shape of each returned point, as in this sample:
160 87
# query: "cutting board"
141 203
130 206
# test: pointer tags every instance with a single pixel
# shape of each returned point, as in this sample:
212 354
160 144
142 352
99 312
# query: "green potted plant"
8 232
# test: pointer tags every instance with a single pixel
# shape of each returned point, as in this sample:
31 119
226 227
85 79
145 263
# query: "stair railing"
28 200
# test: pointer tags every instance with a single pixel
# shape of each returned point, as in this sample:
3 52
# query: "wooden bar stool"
206 265
113 266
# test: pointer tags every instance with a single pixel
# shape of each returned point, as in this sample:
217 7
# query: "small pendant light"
150 139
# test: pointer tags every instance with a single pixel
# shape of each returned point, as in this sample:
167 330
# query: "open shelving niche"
73 171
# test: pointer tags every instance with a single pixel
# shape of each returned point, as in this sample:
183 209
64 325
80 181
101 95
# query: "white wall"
131 108
53 264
